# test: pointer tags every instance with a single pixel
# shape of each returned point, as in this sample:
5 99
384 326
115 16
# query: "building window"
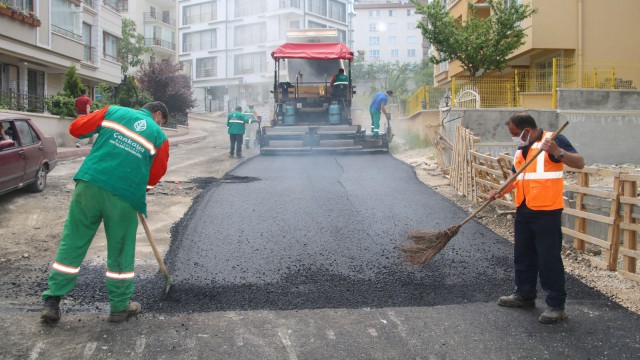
395 53
250 34
374 54
373 27
26 5
111 46
393 40
374 13
411 52
411 39
408 12
66 19
316 25
250 63
391 13
315 6
89 53
248 8
337 11
199 41
393 26
199 13
206 67
411 26
284 4
342 36
374 40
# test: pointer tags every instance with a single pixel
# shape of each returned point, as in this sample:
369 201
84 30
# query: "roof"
316 51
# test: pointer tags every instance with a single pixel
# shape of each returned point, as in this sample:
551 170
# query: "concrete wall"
608 136
597 99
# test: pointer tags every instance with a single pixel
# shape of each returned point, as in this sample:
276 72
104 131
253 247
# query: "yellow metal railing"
526 87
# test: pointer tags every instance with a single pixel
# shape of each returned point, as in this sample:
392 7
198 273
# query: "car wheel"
40 180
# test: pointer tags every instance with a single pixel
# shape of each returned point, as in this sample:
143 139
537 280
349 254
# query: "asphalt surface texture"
294 257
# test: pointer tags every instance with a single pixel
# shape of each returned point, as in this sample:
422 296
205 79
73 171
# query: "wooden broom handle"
513 177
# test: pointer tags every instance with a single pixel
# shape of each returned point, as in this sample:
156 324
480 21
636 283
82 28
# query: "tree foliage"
72 83
131 47
164 82
480 44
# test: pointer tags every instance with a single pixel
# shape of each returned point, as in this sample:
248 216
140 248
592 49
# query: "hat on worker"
238 108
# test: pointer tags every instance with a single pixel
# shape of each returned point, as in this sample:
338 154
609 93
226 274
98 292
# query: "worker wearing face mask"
539 200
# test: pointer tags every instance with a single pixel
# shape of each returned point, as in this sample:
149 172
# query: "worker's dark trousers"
236 144
538 245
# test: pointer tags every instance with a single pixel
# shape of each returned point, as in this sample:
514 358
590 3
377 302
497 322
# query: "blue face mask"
518 140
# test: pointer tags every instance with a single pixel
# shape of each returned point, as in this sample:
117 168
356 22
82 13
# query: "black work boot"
552 316
516 300
51 311
120 316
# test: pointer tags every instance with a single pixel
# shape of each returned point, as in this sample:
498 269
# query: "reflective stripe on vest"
119 275
130 134
65 268
236 121
542 182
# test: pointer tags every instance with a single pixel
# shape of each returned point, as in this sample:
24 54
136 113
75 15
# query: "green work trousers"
375 121
89 207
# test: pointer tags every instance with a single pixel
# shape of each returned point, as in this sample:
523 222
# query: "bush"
61 105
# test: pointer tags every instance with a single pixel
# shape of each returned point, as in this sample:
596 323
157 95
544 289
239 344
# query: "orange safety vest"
542 182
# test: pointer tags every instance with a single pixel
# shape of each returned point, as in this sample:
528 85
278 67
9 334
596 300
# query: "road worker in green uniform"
128 158
235 124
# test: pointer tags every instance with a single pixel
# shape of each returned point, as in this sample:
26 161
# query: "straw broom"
426 244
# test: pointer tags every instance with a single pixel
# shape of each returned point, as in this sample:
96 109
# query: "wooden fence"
475 174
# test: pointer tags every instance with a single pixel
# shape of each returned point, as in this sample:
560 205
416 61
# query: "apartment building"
156 20
225 46
385 30
593 33
41 39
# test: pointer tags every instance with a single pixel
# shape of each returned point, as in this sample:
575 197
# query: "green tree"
72 83
481 44
131 47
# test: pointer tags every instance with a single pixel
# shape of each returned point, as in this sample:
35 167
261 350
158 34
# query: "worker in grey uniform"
251 128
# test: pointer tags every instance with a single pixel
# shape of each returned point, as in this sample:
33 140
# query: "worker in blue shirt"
377 107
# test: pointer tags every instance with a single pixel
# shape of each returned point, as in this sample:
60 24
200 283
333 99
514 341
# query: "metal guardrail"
159 42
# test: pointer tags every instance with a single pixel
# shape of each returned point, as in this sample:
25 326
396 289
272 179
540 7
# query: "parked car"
26 154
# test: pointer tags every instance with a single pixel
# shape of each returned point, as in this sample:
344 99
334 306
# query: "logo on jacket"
140 125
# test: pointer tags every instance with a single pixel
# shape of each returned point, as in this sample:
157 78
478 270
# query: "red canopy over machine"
314 51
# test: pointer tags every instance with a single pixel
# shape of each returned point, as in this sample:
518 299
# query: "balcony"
117 5
89 54
161 43
20 15
156 17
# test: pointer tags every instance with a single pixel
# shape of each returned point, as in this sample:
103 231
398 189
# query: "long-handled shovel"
427 244
163 268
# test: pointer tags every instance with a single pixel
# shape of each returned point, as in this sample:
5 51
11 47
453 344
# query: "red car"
26 154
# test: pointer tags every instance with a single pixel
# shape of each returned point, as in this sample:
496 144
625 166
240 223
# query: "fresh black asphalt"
320 232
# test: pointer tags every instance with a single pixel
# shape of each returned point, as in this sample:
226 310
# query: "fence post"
453 91
595 78
613 78
554 85
427 95
517 88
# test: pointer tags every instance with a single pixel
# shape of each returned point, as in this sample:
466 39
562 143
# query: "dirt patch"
581 265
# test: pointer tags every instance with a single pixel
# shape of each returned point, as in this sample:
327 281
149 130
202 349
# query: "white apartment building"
156 20
385 30
225 46
41 39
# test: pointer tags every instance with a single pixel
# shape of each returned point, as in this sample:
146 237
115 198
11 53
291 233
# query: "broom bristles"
425 245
